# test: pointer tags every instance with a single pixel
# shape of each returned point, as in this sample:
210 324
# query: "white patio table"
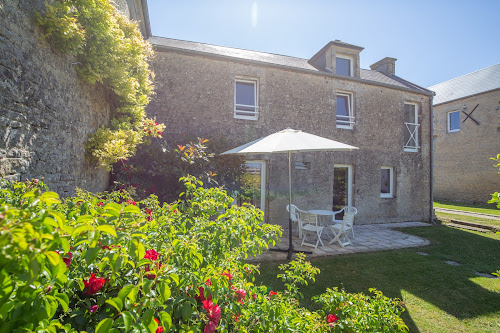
325 213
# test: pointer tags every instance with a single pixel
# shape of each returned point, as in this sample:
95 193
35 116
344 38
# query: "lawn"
467 218
438 297
475 208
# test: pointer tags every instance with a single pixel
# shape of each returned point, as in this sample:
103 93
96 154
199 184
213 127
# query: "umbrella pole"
290 247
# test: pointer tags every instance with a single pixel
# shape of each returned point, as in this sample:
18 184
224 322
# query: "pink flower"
67 261
228 275
151 254
35 181
272 293
100 204
94 308
241 293
105 247
160 328
202 297
131 202
93 285
210 328
254 296
208 282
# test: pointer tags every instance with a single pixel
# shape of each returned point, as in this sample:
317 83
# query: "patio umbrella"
289 141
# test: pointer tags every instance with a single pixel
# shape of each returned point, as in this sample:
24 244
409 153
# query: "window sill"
411 150
386 196
453 131
245 117
345 127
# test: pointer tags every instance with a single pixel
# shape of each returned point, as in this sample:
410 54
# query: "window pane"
454 121
245 93
385 183
343 66
409 115
342 106
251 185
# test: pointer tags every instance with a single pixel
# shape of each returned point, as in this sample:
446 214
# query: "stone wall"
195 95
46 111
462 165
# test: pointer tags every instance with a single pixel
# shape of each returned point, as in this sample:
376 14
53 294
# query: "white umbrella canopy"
289 141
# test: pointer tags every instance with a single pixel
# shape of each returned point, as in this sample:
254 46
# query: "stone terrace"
368 238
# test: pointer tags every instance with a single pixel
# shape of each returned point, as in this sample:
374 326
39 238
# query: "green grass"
466 218
475 208
437 297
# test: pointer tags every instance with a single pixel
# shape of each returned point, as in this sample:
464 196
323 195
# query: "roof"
483 80
277 60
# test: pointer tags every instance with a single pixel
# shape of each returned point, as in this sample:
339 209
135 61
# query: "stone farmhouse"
47 113
466 136
210 91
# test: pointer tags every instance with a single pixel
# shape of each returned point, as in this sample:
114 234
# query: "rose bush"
107 263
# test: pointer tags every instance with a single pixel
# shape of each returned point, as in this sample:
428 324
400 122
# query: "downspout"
431 148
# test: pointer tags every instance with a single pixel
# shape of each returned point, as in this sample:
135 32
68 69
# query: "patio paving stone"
369 238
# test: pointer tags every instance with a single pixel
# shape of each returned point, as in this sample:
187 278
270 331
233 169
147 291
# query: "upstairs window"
345 114
343 65
411 127
453 121
387 182
246 99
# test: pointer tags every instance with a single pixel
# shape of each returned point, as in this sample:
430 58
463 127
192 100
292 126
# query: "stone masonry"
195 96
46 111
462 165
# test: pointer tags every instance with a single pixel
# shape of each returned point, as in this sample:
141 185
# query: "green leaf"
61 220
53 257
147 318
81 229
104 326
175 278
166 320
116 302
137 250
63 299
131 209
164 290
107 229
65 244
127 320
91 255
111 206
84 218
125 291
186 311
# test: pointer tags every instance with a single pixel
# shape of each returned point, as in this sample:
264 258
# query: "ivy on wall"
110 50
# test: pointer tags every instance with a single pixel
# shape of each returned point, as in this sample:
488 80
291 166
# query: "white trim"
349 180
391 182
349 121
252 115
448 114
263 176
412 128
351 61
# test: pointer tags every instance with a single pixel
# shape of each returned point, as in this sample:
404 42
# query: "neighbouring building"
47 112
211 91
466 136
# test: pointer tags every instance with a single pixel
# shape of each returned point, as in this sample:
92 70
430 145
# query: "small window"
246 99
453 121
343 65
410 129
345 114
386 182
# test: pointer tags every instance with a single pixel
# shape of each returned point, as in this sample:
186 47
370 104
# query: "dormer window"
343 65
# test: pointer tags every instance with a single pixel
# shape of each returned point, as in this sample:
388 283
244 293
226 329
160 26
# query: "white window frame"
413 132
252 115
351 61
391 182
349 120
349 180
449 122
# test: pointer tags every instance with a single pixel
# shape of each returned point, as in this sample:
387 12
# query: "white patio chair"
341 230
310 226
346 209
295 215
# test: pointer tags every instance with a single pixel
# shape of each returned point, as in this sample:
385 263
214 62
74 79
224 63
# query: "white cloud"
255 14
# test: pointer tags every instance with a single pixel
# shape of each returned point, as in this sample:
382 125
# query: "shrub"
106 263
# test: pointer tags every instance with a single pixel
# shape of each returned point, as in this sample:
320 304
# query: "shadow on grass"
429 278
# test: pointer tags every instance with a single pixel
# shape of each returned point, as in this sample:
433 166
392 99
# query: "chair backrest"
348 220
294 213
308 218
350 209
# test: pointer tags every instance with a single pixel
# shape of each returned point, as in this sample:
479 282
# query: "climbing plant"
110 50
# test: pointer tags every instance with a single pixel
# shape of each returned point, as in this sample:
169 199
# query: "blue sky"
434 41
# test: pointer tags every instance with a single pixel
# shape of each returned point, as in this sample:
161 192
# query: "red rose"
272 293
94 308
93 285
67 261
332 319
160 328
131 202
228 275
151 254
241 293
100 204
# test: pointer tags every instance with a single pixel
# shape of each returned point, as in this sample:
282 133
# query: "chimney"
386 66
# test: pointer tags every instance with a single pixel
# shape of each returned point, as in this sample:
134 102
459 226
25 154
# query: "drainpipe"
431 148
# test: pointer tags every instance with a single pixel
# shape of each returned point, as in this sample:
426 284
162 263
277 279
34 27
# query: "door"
342 188
253 185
